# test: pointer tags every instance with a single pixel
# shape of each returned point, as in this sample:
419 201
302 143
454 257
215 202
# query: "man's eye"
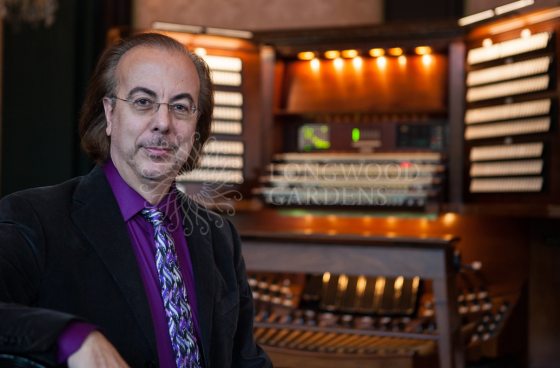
181 108
143 103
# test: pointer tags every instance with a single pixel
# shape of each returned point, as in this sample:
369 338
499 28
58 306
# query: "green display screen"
313 137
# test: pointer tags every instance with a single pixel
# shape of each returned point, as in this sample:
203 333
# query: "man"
118 268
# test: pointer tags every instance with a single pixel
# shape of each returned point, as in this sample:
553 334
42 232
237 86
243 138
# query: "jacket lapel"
199 241
97 215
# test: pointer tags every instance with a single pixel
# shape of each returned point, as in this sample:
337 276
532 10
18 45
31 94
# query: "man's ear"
108 106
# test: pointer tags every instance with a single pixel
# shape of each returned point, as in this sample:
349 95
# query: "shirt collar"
131 203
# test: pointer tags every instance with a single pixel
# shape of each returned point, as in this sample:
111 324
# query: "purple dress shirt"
141 234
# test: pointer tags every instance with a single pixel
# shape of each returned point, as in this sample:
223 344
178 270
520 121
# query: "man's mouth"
158 151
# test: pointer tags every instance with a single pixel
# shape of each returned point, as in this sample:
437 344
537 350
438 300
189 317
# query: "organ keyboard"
358 179
359 317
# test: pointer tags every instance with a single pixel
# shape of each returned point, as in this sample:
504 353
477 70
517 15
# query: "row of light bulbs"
338 57
379 54
352 53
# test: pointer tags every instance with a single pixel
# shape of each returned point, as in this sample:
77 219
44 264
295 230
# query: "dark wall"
45 75
39 102
409 10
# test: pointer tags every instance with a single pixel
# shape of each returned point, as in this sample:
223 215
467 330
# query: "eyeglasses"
145 106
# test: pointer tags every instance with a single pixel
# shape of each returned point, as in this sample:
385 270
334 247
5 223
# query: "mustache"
160 142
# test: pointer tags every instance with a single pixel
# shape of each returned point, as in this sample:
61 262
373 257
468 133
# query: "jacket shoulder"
48 197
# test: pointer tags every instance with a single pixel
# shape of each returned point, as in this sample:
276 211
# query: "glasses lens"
182 111
144 104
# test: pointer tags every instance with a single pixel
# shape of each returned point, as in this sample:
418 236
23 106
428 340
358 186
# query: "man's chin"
161 172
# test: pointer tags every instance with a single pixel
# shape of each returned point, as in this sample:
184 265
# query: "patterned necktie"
174 294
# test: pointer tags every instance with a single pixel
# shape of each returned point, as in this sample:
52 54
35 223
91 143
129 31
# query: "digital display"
313 137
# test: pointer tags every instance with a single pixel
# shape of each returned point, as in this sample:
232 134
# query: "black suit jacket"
65 255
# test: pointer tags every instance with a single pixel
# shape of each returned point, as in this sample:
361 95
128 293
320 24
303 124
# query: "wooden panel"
501 244
415 86
357 260
284 358
544 301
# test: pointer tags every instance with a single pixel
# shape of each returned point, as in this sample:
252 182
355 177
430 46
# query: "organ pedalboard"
356 317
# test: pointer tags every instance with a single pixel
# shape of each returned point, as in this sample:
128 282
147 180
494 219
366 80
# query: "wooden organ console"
348 290
381 179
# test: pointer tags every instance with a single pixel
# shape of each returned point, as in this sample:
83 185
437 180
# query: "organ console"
364 178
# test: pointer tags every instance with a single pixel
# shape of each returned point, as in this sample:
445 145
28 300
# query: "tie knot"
153 215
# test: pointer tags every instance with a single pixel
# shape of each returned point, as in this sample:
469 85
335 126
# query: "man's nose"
162 117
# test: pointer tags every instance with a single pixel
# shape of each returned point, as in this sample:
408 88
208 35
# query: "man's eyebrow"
145 90
180 96
152 94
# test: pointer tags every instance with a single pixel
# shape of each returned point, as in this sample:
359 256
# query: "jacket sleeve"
247 354
24 329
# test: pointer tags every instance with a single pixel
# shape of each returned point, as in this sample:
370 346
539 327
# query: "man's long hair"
94 139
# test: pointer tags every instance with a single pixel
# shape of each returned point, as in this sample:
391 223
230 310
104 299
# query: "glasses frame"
170 107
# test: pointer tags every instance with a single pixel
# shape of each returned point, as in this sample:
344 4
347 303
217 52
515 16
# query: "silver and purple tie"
174 294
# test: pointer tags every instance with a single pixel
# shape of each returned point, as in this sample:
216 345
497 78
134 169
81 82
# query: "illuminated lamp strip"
357 169
360 157
508 48
505 129
228 98
225 78
510 88
514 168
509 185
509 152
508 111
213 176
218 161
228 113
509 71
226 127
223 63
224 147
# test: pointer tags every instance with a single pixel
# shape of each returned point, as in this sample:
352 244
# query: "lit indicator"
348 54
355 135
381 61
306 55
402 60
338 63
315 64
357 62
314 137
200 51
526 33
487 42
427 60
405 164
377 52
423 50
395 51
449 218
361 286
342 282
332 54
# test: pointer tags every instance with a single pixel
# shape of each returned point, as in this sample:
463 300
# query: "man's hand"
96 352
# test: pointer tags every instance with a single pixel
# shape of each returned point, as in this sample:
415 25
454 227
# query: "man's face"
150 147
